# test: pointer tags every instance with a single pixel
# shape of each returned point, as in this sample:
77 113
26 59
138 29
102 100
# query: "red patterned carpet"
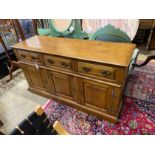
141 84
137 115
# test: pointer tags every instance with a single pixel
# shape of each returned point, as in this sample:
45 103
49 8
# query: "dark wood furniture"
10 32
39 23
148 24
145 33
88 75
152 42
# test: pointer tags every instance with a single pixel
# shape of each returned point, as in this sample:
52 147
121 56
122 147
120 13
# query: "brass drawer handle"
50 61
64 64
86 69
105 72
23 55
34 58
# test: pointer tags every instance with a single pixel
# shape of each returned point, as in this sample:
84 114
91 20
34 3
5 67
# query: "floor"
16 102
143 56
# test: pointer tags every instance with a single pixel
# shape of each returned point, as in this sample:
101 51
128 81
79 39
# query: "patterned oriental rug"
137 114
141 83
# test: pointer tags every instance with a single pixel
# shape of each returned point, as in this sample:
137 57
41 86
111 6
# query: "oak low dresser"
87 75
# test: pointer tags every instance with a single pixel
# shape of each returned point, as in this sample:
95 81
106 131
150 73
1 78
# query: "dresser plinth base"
111 119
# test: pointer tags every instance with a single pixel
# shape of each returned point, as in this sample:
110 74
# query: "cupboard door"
36 77
64 84
96 95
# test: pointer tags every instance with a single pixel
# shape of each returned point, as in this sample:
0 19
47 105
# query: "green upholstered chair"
111 34
69 28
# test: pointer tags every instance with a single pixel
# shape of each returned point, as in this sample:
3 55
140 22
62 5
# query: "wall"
130 26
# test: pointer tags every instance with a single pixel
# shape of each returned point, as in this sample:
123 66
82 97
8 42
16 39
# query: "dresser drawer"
30 57
97 70
54 61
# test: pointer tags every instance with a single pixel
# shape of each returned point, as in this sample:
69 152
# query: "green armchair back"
110 33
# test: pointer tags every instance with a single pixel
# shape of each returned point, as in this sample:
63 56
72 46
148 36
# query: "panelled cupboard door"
96 96
64 84
36 77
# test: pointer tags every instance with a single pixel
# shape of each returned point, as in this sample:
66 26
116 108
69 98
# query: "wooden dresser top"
98 51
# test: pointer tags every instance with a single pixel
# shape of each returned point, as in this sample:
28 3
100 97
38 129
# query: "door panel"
100 95
96 95
63 84
37 78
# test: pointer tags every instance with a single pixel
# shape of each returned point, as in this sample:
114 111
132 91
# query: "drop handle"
105 72
86 69
23 56
34 58
65 64
50 61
